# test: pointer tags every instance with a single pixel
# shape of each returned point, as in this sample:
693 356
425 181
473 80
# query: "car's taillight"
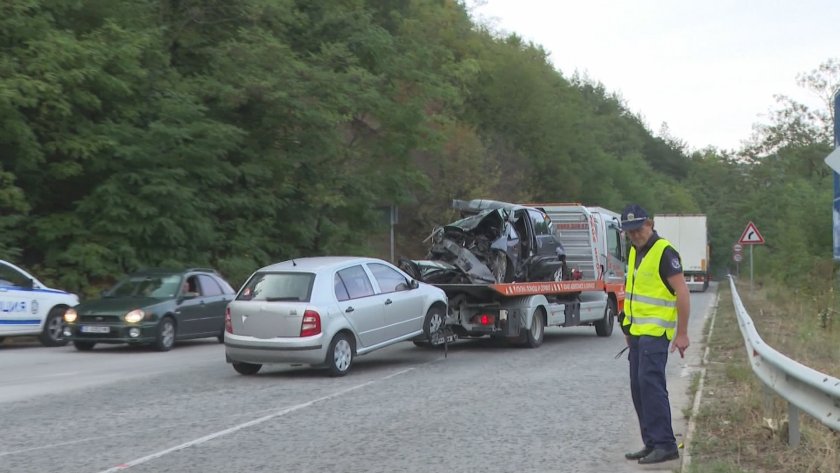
484 319
228 325
311 324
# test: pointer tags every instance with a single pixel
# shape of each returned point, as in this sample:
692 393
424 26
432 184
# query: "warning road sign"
751 236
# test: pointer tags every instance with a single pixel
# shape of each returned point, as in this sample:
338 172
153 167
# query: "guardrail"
805 389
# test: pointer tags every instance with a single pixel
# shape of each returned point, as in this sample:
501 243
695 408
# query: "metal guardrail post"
793 425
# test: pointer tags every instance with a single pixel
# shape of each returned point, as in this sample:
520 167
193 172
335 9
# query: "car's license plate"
95 329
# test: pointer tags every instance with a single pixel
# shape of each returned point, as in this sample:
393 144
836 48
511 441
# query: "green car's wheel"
165 334
84 346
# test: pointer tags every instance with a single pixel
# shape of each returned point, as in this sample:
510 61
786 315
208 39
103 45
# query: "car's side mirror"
29 283
413 284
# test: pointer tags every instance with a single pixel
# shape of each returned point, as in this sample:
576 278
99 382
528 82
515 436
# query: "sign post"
833 161
737 257
751 236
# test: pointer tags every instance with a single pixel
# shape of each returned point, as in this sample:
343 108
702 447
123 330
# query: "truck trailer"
689 235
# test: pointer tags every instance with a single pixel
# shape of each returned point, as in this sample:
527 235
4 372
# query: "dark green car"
153 307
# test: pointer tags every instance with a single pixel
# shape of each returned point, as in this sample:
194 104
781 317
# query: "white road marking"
236 428
60 444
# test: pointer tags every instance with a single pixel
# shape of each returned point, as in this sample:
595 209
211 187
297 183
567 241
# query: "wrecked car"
494 242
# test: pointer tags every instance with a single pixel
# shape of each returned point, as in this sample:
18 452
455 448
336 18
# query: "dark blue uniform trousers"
648 357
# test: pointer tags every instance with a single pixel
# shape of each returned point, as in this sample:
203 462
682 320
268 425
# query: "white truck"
590 292
689 235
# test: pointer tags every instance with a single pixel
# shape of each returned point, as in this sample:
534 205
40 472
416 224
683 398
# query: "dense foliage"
234 134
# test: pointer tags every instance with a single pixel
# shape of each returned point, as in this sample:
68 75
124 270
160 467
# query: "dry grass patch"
737 428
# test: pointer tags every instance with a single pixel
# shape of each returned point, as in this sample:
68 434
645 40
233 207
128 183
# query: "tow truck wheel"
604 327
534 337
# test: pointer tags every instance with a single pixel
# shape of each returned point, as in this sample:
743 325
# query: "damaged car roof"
478 205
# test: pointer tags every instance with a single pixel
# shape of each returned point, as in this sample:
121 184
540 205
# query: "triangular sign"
751 236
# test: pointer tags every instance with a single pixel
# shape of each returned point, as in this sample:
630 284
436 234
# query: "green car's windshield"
164 286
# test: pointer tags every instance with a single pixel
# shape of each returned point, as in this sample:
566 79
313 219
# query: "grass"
692 390
739 429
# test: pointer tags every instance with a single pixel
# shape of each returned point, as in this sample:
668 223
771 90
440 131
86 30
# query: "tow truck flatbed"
523 288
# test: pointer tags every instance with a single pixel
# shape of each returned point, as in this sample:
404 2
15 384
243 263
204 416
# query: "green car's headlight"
70 315
135 316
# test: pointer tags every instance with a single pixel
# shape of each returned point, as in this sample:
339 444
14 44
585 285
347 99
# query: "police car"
28 307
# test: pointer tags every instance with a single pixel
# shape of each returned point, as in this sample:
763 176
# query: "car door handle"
388 301
349 309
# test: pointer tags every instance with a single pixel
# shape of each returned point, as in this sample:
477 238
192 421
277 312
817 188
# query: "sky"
708 68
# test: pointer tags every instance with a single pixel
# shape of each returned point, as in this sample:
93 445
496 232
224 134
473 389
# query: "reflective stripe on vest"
649 305
651 300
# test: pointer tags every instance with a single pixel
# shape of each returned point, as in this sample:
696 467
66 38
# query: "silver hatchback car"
325 311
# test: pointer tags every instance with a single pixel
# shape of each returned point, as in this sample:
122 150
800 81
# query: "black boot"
638 455
659 455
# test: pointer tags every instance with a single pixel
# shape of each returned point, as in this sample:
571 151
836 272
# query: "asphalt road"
564 407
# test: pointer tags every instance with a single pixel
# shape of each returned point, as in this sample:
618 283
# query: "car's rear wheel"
502 269
340 355
84 346
433 321
247 369
53 333
604 327
165 334
561 273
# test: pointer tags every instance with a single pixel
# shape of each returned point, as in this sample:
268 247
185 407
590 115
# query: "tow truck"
520 311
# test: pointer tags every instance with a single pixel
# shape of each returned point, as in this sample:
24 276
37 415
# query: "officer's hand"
680 343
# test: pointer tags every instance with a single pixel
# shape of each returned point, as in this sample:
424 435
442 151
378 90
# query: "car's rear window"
294 287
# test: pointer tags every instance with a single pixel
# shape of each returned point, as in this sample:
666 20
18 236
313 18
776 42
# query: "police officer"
656 310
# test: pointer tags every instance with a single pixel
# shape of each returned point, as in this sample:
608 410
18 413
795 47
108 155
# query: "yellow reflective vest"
649 307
